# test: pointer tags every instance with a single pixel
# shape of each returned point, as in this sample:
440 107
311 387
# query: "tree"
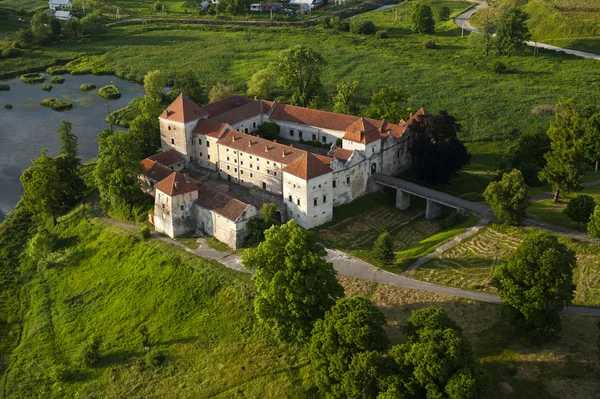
268 213
41 28
509 198
42 188
233 6
580 208
591 139
564 168
443 13
146 133
189 84
117 170
260 83
92 23
68 140
68 164
593 226
360 26
220 91
154 85
536 282
436 149
55 27
386 104
345 100
512 32
268 130
438 359
421 19
299 69
295 285
528 154
486 40
344 340
383 249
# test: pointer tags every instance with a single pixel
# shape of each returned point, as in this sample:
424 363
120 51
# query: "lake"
28 128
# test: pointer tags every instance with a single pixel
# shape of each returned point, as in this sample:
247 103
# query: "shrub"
451 220
87 86
499 67
382 34
8 106
57 80
57 70
429 44
154 359
89 353
383 249
362 27
34 77
4 87
10 52
268 130
339 24
47 87
580 208
109 92
56 104
144 232
443 14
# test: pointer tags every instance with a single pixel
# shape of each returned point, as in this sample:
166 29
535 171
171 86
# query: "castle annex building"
221 137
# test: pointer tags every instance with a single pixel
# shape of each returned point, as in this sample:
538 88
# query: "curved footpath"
462 21
345 265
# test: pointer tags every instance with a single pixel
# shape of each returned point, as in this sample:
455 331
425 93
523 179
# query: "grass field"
27 5
356 226
452 77
471 264
565 23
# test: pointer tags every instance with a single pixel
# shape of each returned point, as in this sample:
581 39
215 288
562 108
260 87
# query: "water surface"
28 127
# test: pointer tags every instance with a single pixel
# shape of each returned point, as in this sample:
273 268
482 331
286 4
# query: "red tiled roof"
363 131
167 158
221 203
309 166
147 164
341 154
176 184
183 110
312 117
246 111
260 147
227 104
209 127
158 172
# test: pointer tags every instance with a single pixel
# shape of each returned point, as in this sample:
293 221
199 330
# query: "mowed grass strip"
471 264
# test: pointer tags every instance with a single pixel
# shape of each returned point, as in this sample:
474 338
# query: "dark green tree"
268 130
56 27
69 167
436 149
580 208
68 140
591 139
438 358
117 170
564 168
92 23
536 283
268 213
509 198
421 19
295 285
342 345
443 13
41 28
42 188
512 32
383 249
360 26
299 69
528 154
260 83
387 104
345 100
189 85
593 226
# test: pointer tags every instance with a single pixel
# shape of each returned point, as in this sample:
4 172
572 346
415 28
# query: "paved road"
462 21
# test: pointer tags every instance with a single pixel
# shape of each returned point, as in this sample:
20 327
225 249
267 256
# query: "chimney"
266 149
249 143
256 98
176 186
283 153
233 139
291 145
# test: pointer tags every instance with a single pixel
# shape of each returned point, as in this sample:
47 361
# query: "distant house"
300 3
60 4
63 15
256 7
276 6
205 5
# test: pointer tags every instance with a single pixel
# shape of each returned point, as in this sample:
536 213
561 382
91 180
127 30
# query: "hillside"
565 23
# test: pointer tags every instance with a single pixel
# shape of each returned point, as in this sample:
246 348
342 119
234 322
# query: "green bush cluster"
57 80
87 86
382 34
33 77
362 27
429 44
315 143
57 104
57 70
110 92
47 87
10 52
499 67
96 65
4 87
144 232
8 106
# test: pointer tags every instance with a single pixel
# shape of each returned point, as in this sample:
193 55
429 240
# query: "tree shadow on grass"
118 358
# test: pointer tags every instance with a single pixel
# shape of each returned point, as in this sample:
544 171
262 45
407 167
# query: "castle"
221 138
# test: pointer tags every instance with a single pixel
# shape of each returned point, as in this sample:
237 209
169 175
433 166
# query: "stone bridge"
435 199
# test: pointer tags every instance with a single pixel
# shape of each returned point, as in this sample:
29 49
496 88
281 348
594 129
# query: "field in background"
471 264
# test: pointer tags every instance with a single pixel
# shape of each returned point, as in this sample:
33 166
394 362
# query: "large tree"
421 18
512 32
260 83
299 69
509 198
593 226
117 170
528 153
69 166
564 168
591 139
537 282
42 188
580 208
220 91
342 345
345 100
188 84
387 104
295 285
438 358
436 149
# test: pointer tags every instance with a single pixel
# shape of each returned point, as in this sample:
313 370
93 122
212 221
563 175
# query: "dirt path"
462 21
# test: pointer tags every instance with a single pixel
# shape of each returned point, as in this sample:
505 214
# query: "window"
264 186
199 141
251 174
373 150
250 156
324 199
268 163
250 166
275 173
398 154
208 156
319 186
228 158
227 149
292 132
347 179
334 183
257 159
241 162
289 199
241 172
207 143
300 134
227 167
200 155
191 159
268 171
315 201
257 168
241 154
235 170
163 205
254 125
235 152
324 139
181 207
246 130
314 137
298 201
172 140
235 160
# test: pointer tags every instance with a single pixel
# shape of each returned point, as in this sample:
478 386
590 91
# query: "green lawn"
471 264
27 5
452 77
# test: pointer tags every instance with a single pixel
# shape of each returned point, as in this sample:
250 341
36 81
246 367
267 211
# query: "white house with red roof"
221 137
